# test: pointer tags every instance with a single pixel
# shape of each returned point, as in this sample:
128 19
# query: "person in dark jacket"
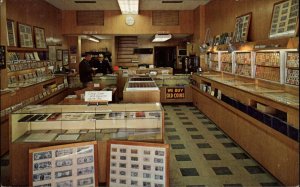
102 65
85 70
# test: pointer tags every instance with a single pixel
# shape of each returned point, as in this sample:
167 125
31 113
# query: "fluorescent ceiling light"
161 37
93 39
129 6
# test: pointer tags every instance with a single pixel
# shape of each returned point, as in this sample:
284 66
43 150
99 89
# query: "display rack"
214 61
268 66
243 64
292 68
38 126
226 62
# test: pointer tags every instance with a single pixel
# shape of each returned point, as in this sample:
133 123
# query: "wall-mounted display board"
292 68
285 17
25 35
40 40
2 57
65 57
11 35
138 164
59 55
242 24
268 66
64 165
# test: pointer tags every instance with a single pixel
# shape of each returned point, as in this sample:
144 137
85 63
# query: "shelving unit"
292 68
268 66
226 62
214 61
243 65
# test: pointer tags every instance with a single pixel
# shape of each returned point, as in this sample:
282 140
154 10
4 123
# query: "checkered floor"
202 155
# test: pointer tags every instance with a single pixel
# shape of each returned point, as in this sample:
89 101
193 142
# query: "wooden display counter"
236 105
130 122
20 97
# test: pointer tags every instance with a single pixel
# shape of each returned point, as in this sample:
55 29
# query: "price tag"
97 85
96 96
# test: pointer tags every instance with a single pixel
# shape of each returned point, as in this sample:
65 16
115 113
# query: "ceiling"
113 4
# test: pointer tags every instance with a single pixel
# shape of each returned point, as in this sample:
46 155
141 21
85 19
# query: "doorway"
165 56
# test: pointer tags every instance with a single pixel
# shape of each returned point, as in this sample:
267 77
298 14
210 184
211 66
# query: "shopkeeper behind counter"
102 65
85 70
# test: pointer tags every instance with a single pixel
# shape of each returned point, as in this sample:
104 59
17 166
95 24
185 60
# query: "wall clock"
129 20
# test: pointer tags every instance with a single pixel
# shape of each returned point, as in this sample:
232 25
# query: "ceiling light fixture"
91 38
129 6
161 37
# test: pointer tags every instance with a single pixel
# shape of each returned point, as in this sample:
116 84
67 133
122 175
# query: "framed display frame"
11 35
25 35
65 57
285 16
2 57
39 36
64 165
59 54
137 164
241 30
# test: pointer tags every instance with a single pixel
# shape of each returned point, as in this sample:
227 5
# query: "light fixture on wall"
203 48
161 37
129 6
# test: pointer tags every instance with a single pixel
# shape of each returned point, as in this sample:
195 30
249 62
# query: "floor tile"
211 157
213 129
170 129
197 136
168 123
240 156
177 109
254 169
180 113
183 157
220 136
183 118
189 172
177 146
191 129
203 145
222 171
167 118
229 145
187 123
174 137
232 185
270 184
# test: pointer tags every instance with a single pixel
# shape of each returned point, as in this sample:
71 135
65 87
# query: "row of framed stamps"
25 33
129 164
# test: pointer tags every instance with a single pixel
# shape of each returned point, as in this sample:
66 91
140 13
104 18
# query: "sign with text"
97 96
175 93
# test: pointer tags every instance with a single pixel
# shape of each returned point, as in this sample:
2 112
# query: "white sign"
164 72
96 96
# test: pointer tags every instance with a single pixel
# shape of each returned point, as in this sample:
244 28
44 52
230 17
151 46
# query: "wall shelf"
23 49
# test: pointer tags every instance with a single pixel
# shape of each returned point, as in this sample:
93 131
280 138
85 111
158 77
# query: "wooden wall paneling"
37 13
220 16
114 24
102 151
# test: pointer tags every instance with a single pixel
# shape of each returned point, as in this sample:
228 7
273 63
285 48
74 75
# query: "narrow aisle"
202 155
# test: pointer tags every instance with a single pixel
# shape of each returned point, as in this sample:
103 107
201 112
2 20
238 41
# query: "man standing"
85 70
102 65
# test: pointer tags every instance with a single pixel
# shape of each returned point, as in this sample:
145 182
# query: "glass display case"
172 80
76 123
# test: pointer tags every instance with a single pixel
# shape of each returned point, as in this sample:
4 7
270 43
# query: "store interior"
201 93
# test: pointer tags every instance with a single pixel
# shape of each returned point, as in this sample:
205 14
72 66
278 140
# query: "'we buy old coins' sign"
175 93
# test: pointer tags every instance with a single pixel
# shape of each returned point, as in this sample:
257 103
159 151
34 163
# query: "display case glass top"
52 123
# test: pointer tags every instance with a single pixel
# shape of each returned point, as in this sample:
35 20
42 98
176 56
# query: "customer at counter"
102 65
85 70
